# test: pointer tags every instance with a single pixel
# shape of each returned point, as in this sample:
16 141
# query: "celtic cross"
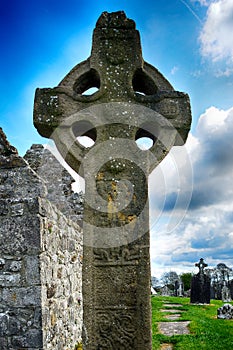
133 101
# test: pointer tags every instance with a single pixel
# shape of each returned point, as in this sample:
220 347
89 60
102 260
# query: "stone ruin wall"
40 253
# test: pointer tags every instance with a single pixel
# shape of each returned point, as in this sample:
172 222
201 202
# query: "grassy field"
207 332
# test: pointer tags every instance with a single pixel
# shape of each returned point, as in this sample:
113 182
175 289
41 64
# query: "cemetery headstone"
231 288
176 287
225 312
165 291
200 285
221 277
180 291
226 294
133 101
212 292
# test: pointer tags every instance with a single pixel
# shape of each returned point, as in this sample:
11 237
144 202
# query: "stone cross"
201 265
133 101
200 285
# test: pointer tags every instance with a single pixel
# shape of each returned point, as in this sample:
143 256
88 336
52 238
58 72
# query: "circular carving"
115 169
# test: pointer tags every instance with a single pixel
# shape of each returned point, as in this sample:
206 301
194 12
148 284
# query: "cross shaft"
133 101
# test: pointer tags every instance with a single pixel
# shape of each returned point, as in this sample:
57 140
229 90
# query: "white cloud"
216 36
174 70
224 72
207 225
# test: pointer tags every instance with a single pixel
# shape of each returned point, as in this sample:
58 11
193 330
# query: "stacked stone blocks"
40 262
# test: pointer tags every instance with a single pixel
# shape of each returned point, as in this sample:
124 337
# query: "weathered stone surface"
165 291
226 293
221 282
61 276
166 346
31 338
6 149
4 343
8 154
172 317
174 328
225 312
133 101
19 238
121 76
58 182
173 311
40 260
231 288
200 285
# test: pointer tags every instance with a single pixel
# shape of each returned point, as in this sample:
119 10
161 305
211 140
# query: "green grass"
207 332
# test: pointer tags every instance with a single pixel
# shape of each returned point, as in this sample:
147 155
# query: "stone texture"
225 312
226 293
6 149
165 291
40 261
8 154
200 286
172 317
172 310
231 288
166 346
221 282
58 182
61 276
174 328
133 101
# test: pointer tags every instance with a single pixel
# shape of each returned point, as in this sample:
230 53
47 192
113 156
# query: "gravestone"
225 312
200 285
180 292
226 293
213 292
176 287
133 100
221 277
165 291
231 288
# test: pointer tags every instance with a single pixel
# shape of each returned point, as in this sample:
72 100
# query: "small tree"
169 279
186 279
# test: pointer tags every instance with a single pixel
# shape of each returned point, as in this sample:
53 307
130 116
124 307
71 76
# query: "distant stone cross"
133 101
201 265
200 285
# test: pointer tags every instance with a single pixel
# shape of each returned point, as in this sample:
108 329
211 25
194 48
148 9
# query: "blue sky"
191 44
